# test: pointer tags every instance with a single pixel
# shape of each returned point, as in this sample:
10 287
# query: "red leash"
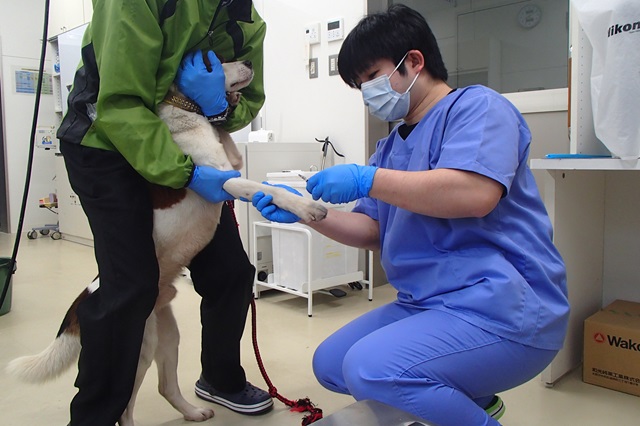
298 406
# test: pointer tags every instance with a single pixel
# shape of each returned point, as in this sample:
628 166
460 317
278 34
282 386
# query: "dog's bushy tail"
59 356
48 364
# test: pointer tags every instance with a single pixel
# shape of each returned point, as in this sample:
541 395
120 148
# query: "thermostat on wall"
335 29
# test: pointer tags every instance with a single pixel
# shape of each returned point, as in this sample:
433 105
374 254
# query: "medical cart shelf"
310 285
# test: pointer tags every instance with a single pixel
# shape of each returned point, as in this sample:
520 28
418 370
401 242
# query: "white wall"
20 33
299 109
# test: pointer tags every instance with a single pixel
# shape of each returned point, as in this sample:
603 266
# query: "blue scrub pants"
426 362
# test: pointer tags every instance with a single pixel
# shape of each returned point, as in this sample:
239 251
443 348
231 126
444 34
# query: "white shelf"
592 206
584 164
310 285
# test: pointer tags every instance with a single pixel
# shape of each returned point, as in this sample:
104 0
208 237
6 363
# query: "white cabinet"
65 15
593 205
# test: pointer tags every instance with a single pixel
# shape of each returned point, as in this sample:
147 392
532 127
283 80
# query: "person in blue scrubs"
464 237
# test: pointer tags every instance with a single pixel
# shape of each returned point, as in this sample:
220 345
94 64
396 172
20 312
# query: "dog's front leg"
305 208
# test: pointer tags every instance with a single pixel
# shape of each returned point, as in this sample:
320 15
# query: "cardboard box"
612 347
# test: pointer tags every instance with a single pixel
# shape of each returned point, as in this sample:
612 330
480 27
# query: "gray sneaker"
251 400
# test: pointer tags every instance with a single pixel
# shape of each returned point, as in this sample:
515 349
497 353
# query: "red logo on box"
598 337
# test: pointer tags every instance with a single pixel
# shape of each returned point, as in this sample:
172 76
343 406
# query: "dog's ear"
220 58
205 59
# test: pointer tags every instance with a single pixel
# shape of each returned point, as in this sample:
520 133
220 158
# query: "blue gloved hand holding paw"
206 88
263 203
342 184
207 182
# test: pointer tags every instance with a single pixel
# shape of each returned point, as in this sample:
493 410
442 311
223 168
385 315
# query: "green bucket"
4 270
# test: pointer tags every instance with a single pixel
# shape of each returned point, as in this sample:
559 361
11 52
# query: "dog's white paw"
313 212
305 208
199 414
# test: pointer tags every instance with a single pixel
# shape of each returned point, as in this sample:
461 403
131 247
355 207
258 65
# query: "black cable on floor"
23 208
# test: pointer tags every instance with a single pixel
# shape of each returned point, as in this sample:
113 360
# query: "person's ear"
415 61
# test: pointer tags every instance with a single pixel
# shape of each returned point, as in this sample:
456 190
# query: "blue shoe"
495 408
251 400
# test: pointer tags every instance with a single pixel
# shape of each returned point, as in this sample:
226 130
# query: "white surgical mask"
384 102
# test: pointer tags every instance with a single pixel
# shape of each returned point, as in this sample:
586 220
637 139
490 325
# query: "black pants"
223 276
116 201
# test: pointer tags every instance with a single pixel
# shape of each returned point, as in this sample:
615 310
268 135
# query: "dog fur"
184 223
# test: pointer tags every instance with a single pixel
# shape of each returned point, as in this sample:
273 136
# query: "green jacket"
131 52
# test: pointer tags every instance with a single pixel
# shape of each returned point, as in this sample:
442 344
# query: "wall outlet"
333 65
312 33
313 68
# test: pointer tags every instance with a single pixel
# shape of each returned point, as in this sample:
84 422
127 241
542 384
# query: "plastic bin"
291 248
4 270
291 257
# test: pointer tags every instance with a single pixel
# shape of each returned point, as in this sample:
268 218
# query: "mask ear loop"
398 66
412 83
399 63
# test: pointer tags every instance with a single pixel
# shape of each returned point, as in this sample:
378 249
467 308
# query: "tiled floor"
51 273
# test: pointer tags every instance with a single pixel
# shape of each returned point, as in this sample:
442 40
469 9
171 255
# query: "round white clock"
529 16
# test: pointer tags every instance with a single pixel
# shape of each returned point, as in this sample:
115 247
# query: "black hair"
389 35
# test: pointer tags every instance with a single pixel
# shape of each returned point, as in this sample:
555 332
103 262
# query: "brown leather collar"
183 103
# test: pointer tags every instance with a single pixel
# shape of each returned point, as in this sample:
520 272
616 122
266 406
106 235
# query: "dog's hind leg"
149 344
167 361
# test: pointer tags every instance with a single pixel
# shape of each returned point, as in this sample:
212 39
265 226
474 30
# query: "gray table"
371 413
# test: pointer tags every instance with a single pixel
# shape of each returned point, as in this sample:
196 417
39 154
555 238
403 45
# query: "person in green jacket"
114 144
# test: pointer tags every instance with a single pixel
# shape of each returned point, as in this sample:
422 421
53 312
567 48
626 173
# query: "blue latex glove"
207 182
206 88
272 212
342 184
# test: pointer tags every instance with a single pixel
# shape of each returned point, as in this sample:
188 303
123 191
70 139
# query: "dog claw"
199 415
322 214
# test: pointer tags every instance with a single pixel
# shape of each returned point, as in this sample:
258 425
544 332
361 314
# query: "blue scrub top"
500 272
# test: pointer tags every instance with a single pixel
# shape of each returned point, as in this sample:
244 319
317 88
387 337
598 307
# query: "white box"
291 257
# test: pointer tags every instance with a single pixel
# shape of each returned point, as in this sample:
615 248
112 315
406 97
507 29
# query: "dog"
177 241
